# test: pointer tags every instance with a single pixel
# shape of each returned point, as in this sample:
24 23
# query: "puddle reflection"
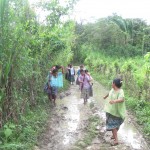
130 135
73 117
127 132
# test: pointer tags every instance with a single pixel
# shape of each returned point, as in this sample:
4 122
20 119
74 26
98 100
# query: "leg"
50 97
114 132
54 100
84 101
86 96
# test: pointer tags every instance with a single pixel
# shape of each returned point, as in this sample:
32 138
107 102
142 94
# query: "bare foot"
114 143
112 137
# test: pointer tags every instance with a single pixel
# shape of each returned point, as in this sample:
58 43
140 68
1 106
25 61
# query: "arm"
80 80
62 69
78 72
116 101
106 96
119 99
49 79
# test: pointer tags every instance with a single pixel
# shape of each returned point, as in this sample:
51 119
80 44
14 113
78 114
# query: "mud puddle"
70 117
128 134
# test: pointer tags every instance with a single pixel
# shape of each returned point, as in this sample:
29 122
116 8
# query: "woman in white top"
71 74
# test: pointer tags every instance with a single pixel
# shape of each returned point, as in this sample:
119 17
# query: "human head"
86 71
81 66
57 66
117 83
54 72
82 72
70 65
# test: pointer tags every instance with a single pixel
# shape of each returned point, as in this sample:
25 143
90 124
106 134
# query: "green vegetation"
110 47
24 134
116 47
28 49
135 82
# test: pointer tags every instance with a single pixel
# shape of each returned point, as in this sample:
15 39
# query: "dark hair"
81 70
86 71
117 82
55 71
70 65
81 66
58 66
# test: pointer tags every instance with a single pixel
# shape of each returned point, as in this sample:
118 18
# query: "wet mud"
69 119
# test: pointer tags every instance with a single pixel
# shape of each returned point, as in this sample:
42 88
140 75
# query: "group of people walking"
84 80
114 103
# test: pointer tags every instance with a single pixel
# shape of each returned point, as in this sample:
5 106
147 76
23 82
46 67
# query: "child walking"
115 109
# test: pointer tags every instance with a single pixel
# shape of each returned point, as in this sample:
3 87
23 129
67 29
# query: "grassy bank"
135 82
23 135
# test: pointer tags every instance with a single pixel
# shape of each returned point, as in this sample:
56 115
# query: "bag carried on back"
47 89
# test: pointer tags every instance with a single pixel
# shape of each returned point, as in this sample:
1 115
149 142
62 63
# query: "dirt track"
69 119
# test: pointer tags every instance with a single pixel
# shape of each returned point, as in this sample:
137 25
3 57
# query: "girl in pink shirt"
84 80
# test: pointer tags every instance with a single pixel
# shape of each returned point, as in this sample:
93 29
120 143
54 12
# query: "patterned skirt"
85 93
53 92
113 122
71 78
77 81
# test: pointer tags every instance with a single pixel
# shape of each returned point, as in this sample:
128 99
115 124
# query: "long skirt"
91 91
53 92
77 81
85 93
67 76
113 122
71 78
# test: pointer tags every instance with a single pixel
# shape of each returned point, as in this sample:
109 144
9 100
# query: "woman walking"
84 80
71 74
55 80
78 74
115 109
91 84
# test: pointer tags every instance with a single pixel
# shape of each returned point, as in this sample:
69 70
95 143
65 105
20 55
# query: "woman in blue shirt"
55 81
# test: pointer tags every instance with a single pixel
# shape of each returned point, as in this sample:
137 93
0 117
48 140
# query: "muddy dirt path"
69 119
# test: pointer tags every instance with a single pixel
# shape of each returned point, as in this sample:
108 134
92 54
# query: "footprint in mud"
65 108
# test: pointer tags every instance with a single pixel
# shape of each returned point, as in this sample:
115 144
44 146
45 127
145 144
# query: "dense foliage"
28 49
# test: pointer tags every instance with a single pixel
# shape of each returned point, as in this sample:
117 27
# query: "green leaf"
8 132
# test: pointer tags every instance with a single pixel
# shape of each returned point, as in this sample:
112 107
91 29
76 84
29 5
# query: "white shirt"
72 71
